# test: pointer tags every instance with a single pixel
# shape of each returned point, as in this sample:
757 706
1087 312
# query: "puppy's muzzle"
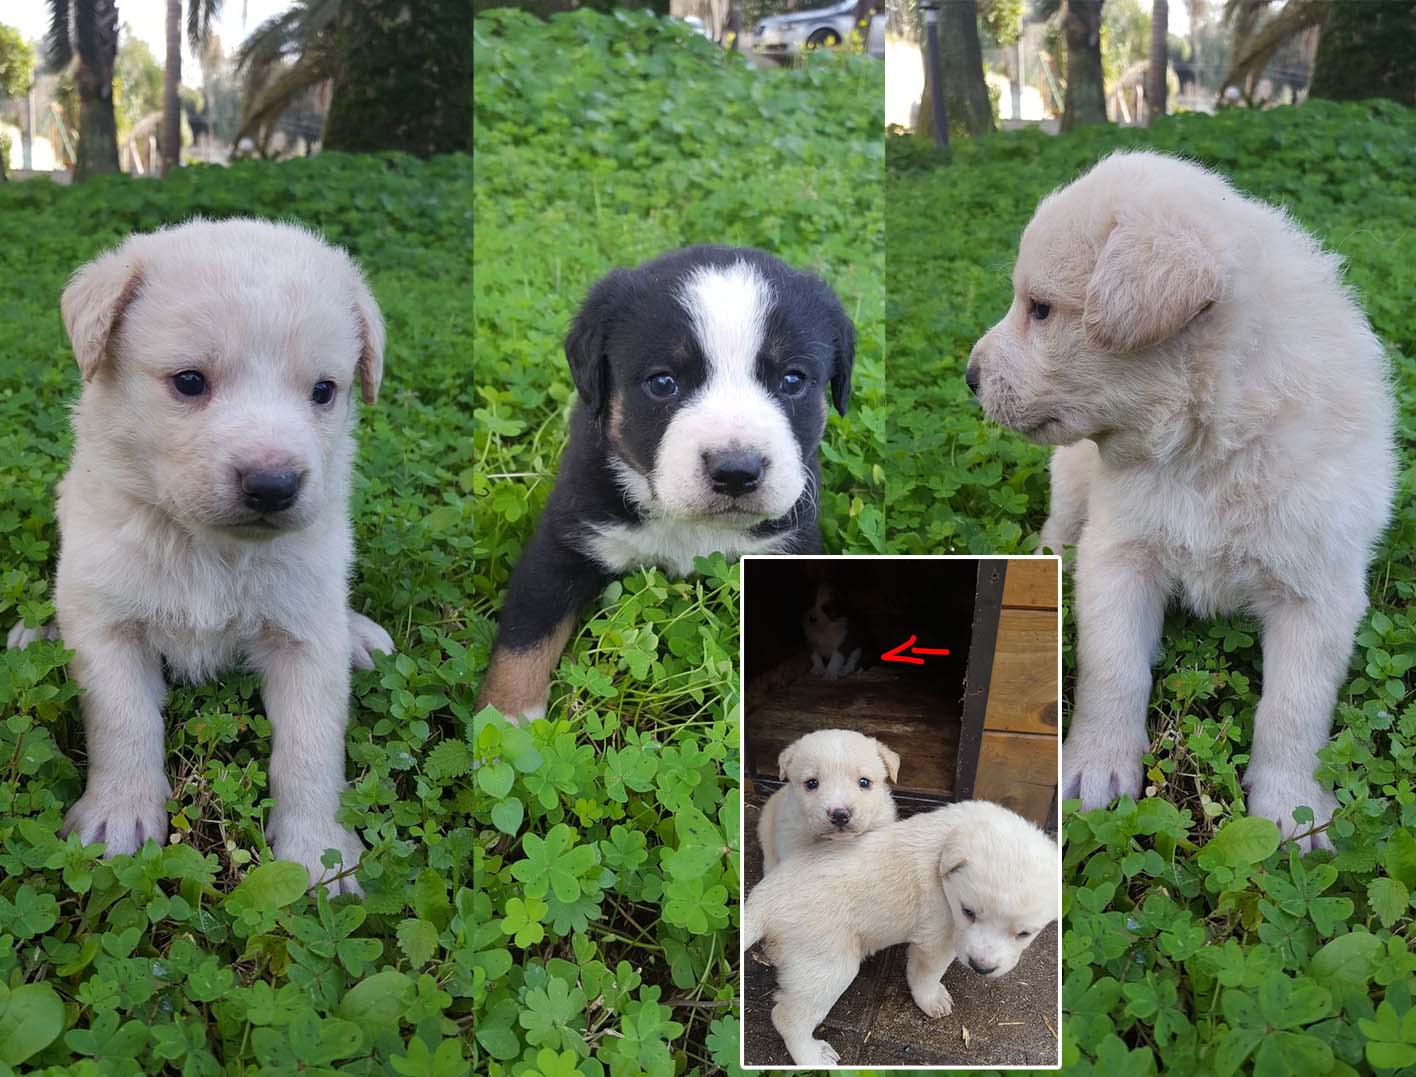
982 970
735 472
971 377
270 491
839 817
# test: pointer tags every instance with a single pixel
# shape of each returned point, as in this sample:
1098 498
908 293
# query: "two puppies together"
971 882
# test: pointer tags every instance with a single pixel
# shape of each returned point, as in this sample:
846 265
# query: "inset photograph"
900 865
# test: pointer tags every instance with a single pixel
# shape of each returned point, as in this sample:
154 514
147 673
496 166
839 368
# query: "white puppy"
204 516
836 788
972 881
1227 429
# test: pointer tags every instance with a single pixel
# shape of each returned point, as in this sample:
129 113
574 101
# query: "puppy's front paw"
1100 769
1275 794
820 1053
21 637
305 841
120 815
935 1000
366 638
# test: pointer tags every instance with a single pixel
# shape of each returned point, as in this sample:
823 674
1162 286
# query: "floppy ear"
94 302
1152 278
586 343
844 361
371 339
784 760
951 856
890 759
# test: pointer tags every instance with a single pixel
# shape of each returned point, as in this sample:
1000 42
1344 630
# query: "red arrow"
896 654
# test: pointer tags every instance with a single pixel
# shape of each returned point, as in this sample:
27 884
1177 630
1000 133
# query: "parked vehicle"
789 35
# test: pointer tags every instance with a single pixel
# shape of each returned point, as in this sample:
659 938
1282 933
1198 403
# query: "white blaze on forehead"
728 306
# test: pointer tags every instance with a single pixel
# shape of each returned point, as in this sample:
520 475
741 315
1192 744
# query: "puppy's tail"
753 921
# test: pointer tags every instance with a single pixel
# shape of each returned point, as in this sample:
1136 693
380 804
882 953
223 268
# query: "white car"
790 35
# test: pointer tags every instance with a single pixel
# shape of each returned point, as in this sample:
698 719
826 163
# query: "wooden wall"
1017 763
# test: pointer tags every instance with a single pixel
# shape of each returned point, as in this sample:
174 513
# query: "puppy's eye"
969 913
865 783
793 383
662 386
323 392
811 783
189 382
1039 311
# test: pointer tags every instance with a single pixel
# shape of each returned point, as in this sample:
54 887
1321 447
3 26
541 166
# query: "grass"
204 956
1192 943
607 836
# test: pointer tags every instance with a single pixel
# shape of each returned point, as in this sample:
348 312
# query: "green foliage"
205 956
137 83
402 77
1193 942
17 60
1365 51
607 848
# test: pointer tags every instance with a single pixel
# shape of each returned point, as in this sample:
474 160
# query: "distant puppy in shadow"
836 788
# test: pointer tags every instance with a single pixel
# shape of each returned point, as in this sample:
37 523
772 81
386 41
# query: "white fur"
673 544
160 561
796 817
1226 428
826 909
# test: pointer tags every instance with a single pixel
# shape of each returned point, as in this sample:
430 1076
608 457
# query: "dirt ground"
1009 1021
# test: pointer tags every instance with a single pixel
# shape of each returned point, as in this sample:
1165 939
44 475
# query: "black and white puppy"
702 378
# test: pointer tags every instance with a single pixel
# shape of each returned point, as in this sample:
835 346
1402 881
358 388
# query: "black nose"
971 378
735 473
270 491
839 816
982 970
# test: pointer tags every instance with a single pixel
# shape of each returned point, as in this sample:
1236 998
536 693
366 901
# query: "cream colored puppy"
1225 425
971 882
836 788
204 517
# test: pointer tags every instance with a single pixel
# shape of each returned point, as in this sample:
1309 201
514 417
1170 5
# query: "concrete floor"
1009 1021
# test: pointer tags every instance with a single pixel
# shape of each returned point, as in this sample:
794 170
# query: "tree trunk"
1159 60
1085 101
1365 50
421 103
961 58
932 121
98 130
172 78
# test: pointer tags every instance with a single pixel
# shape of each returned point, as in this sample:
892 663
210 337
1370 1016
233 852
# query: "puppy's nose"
270 491
982 970
971 378
839 816
735 472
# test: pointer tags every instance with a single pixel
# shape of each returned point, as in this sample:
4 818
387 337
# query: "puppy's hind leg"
1072 468
366 638
924 969
806 991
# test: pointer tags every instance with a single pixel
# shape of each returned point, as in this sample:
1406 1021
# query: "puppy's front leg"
306 692
125 797
924 969
548 586
1307 645
1071 468
1120 612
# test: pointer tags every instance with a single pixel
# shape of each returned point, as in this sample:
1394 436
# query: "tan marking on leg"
518 682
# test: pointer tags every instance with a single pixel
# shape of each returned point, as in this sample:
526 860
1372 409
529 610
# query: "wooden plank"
1019 771
988 604
1032 584
1023 690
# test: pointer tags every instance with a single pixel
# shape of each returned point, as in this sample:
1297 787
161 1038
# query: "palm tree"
85 32
962 61
285 57
1086 96
200 15
1260 32
1159 59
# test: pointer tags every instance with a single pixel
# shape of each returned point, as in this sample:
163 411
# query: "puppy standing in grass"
204 516
836 788
1225 428
972 882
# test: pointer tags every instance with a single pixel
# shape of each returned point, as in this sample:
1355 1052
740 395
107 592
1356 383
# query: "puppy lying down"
972 882
836 789
204 518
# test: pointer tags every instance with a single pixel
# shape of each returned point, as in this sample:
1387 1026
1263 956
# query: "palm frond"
200 15
58 48
264 109
1261 40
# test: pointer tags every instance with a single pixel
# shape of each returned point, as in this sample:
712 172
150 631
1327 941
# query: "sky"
148 21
